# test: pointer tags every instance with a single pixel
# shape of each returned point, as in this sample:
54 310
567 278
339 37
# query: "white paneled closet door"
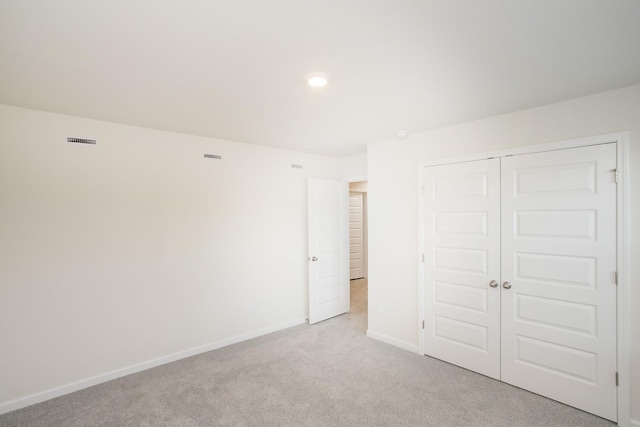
559 257
520 262
462 264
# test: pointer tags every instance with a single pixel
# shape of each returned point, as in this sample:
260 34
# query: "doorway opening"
358 237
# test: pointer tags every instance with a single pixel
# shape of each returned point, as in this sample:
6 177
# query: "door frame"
361 178
623 358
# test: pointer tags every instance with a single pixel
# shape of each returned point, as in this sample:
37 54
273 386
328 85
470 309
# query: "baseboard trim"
393 341
635 423
32 399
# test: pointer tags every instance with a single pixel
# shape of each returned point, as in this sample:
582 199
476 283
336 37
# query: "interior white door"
356 236
559 259
328 232
462 264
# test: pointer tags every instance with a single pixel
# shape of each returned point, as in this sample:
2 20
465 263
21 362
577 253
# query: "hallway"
359 303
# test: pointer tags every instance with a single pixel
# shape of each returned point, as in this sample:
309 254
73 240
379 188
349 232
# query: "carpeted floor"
328 374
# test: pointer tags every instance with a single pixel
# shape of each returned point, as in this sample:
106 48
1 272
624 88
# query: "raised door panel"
559 255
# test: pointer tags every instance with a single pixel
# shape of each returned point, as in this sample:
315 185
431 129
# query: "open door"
356 235
328 249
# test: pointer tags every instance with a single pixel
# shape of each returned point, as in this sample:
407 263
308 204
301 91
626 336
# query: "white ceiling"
233 69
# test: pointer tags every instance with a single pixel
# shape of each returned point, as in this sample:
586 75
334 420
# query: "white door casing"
559 256
462 228
328 233
556 321
356 236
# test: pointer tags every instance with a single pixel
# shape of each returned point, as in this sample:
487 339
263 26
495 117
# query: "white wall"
138 248
393 201
352 166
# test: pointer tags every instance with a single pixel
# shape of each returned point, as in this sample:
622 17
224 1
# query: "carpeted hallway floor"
328 374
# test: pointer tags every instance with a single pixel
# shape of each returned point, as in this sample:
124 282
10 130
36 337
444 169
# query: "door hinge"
423 324
423 257
617 379
615 277
617 174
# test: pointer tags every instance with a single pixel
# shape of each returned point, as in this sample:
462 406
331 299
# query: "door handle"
314 258
493 284
506 285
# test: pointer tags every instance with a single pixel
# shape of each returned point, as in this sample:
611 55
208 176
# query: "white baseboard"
32 399
393 341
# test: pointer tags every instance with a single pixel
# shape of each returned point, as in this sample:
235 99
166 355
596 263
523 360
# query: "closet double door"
520 271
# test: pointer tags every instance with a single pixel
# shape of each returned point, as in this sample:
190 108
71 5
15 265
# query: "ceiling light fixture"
317 79
401 134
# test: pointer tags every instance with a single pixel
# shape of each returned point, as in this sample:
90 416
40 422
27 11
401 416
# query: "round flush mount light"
401 134
317 79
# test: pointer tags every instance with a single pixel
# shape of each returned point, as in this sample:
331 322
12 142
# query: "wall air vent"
293 165
81 140
213 156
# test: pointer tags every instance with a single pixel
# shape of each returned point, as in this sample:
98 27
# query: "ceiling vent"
81 140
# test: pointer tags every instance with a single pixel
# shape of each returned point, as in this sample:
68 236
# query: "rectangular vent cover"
293 165
213 156
81 140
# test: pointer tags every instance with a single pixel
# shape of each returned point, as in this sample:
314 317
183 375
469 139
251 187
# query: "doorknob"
314 259
506 285
493 284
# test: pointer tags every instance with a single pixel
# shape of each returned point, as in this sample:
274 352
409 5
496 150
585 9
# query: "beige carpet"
328 374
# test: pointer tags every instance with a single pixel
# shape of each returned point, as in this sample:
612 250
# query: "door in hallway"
356 235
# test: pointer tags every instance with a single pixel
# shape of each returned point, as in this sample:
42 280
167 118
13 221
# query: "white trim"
392 341
421 313
623 302
32 399
624 308
528 149
365 236
358 178
633 423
